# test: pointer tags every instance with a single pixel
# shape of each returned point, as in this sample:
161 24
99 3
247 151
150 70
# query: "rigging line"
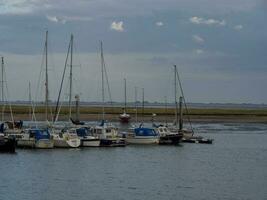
61 85
186 108
109 91
38 88
79 83
39 82
7 97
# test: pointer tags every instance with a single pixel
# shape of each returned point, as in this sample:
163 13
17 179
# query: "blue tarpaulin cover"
145 132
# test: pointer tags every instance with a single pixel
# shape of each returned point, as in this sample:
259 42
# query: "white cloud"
198 39
199 51
159 23
200 20
238 27
117 26
52 19
64 19
15 7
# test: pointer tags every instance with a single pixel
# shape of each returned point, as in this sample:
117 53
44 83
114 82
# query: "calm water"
234 167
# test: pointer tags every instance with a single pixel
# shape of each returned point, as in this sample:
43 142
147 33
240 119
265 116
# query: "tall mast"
125 95
2 88
30 102
143 104
165 101
181 113
71 52
102 72
77 98
46 78
175 96
135 95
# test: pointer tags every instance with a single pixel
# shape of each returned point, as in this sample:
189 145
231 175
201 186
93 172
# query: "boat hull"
26 143
8 145
44 144
142 140
172 139
39 144
124 119
110 142
69 143
90 142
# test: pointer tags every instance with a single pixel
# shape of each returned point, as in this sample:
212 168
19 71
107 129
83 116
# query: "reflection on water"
234 167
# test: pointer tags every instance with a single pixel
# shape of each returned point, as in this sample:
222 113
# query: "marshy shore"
87 113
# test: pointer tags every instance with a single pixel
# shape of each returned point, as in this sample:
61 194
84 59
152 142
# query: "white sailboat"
67 138
36 137
142 135
125 117
106 132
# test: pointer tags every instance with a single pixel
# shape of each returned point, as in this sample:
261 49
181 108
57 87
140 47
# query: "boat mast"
135 95
165 110
181 113
77 98
143 104
2 88
124 95
102 72
175 96
46 78
30 100
70 96
61 85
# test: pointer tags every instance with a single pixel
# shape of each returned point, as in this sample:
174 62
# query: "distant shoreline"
88 113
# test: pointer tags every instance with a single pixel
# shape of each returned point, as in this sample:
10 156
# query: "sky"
219 47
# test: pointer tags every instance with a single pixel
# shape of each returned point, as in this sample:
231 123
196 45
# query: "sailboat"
187 135
39 137
66 138
7 143
106 132
141 134
124 117
167 136
11 127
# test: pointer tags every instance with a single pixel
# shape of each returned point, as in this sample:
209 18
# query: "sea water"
233 167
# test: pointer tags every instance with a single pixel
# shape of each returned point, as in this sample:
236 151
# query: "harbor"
234 165
133 100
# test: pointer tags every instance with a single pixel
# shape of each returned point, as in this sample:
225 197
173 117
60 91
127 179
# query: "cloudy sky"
219 46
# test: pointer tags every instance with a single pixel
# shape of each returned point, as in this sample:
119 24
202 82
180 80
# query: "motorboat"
168 137
36 138
142 135
108 135
87 139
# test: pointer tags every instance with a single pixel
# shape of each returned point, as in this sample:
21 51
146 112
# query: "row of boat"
102 135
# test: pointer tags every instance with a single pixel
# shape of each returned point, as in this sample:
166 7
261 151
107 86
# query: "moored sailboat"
125 117
67 138
142 135
36 138
107 133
